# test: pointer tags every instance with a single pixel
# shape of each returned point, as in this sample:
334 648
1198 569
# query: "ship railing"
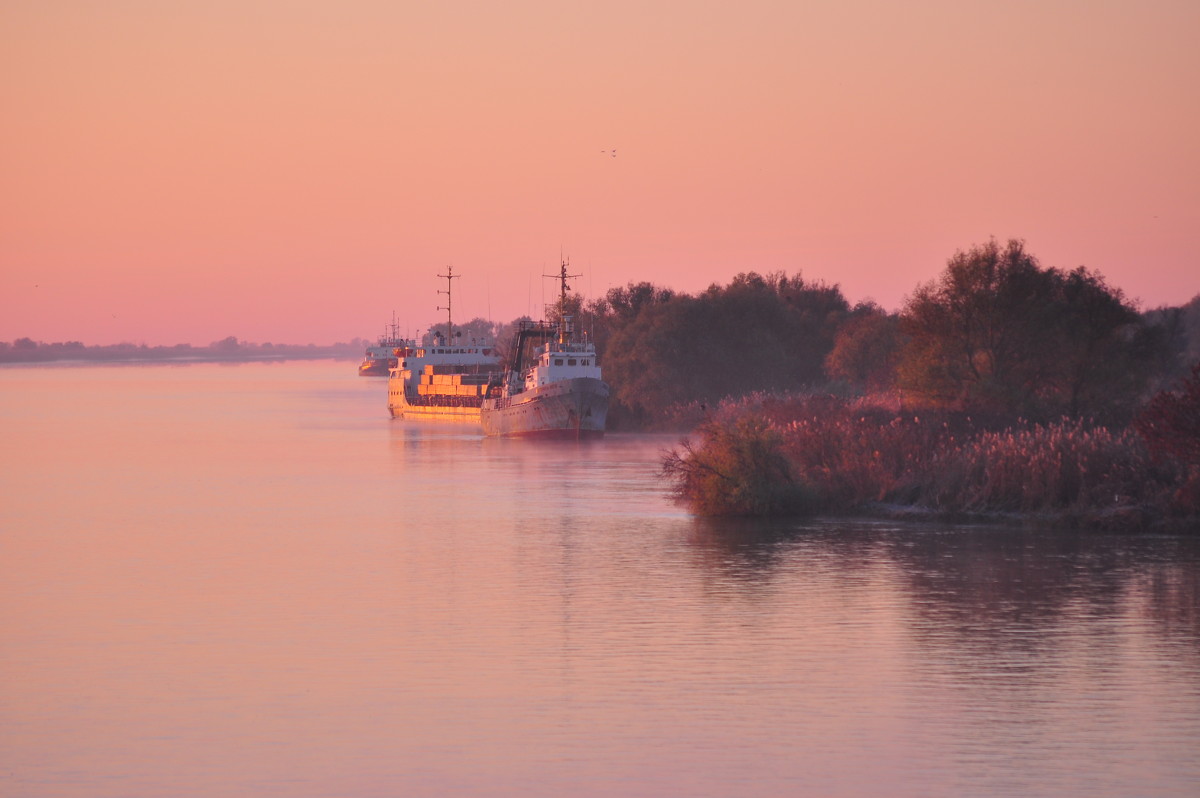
443 400
574 346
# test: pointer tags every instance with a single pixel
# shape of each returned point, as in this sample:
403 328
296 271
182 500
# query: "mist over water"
249 580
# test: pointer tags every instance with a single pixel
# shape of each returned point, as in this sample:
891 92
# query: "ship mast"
448 276
562 278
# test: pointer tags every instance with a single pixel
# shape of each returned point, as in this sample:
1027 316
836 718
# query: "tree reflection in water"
991 588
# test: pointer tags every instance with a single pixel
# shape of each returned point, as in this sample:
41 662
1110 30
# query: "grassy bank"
781 456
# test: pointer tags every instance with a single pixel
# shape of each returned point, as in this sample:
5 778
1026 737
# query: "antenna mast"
448 276
562 278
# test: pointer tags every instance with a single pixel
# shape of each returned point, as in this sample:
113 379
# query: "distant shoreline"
25 352
177 360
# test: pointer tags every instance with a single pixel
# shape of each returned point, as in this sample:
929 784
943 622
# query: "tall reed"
769 455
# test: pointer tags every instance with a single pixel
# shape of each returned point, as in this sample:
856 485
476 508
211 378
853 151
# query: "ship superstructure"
380 357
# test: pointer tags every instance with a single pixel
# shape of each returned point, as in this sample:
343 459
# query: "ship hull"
376 368
380 358
456 409
572 408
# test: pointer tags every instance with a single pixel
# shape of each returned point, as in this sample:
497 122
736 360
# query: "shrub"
1170 425
737 468
1058 467
858 452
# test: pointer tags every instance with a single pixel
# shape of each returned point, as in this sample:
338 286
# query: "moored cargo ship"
445 380
553 387
442 382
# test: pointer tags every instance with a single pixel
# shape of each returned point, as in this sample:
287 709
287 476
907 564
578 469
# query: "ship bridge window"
571 362
587 362
558 361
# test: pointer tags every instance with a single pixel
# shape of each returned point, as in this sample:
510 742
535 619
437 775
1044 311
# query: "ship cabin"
447 354
557 361
461 370
474 352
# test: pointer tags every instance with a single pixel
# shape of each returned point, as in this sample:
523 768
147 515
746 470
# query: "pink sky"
293 171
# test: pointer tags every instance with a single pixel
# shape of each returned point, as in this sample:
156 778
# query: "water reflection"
1011 651
992 587
1170 596
744 548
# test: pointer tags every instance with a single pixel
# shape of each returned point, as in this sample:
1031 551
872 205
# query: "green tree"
477 329
973 332
866 349
619 307
759 333
1170 424
998 332
1100 346
1179 330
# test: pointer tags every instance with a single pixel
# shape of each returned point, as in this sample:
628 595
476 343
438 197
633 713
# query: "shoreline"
1129 518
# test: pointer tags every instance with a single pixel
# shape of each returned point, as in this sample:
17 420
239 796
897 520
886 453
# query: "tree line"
997 334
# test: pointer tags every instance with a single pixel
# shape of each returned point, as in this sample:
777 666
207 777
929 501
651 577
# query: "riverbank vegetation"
835 454
1001 390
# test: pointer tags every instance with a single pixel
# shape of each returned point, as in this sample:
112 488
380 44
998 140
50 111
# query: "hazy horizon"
182 173
405 331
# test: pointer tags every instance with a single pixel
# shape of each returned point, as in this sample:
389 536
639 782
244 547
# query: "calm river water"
248 580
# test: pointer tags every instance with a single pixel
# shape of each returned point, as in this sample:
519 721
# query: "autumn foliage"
1000 333
847 455
1170 423
737 469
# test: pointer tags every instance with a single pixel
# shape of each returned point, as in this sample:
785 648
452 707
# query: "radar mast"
562 277
448 276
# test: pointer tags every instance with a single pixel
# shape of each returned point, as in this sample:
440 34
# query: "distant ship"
553 387
446 380
381 357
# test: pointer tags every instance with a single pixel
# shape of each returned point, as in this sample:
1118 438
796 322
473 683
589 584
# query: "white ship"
553 387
